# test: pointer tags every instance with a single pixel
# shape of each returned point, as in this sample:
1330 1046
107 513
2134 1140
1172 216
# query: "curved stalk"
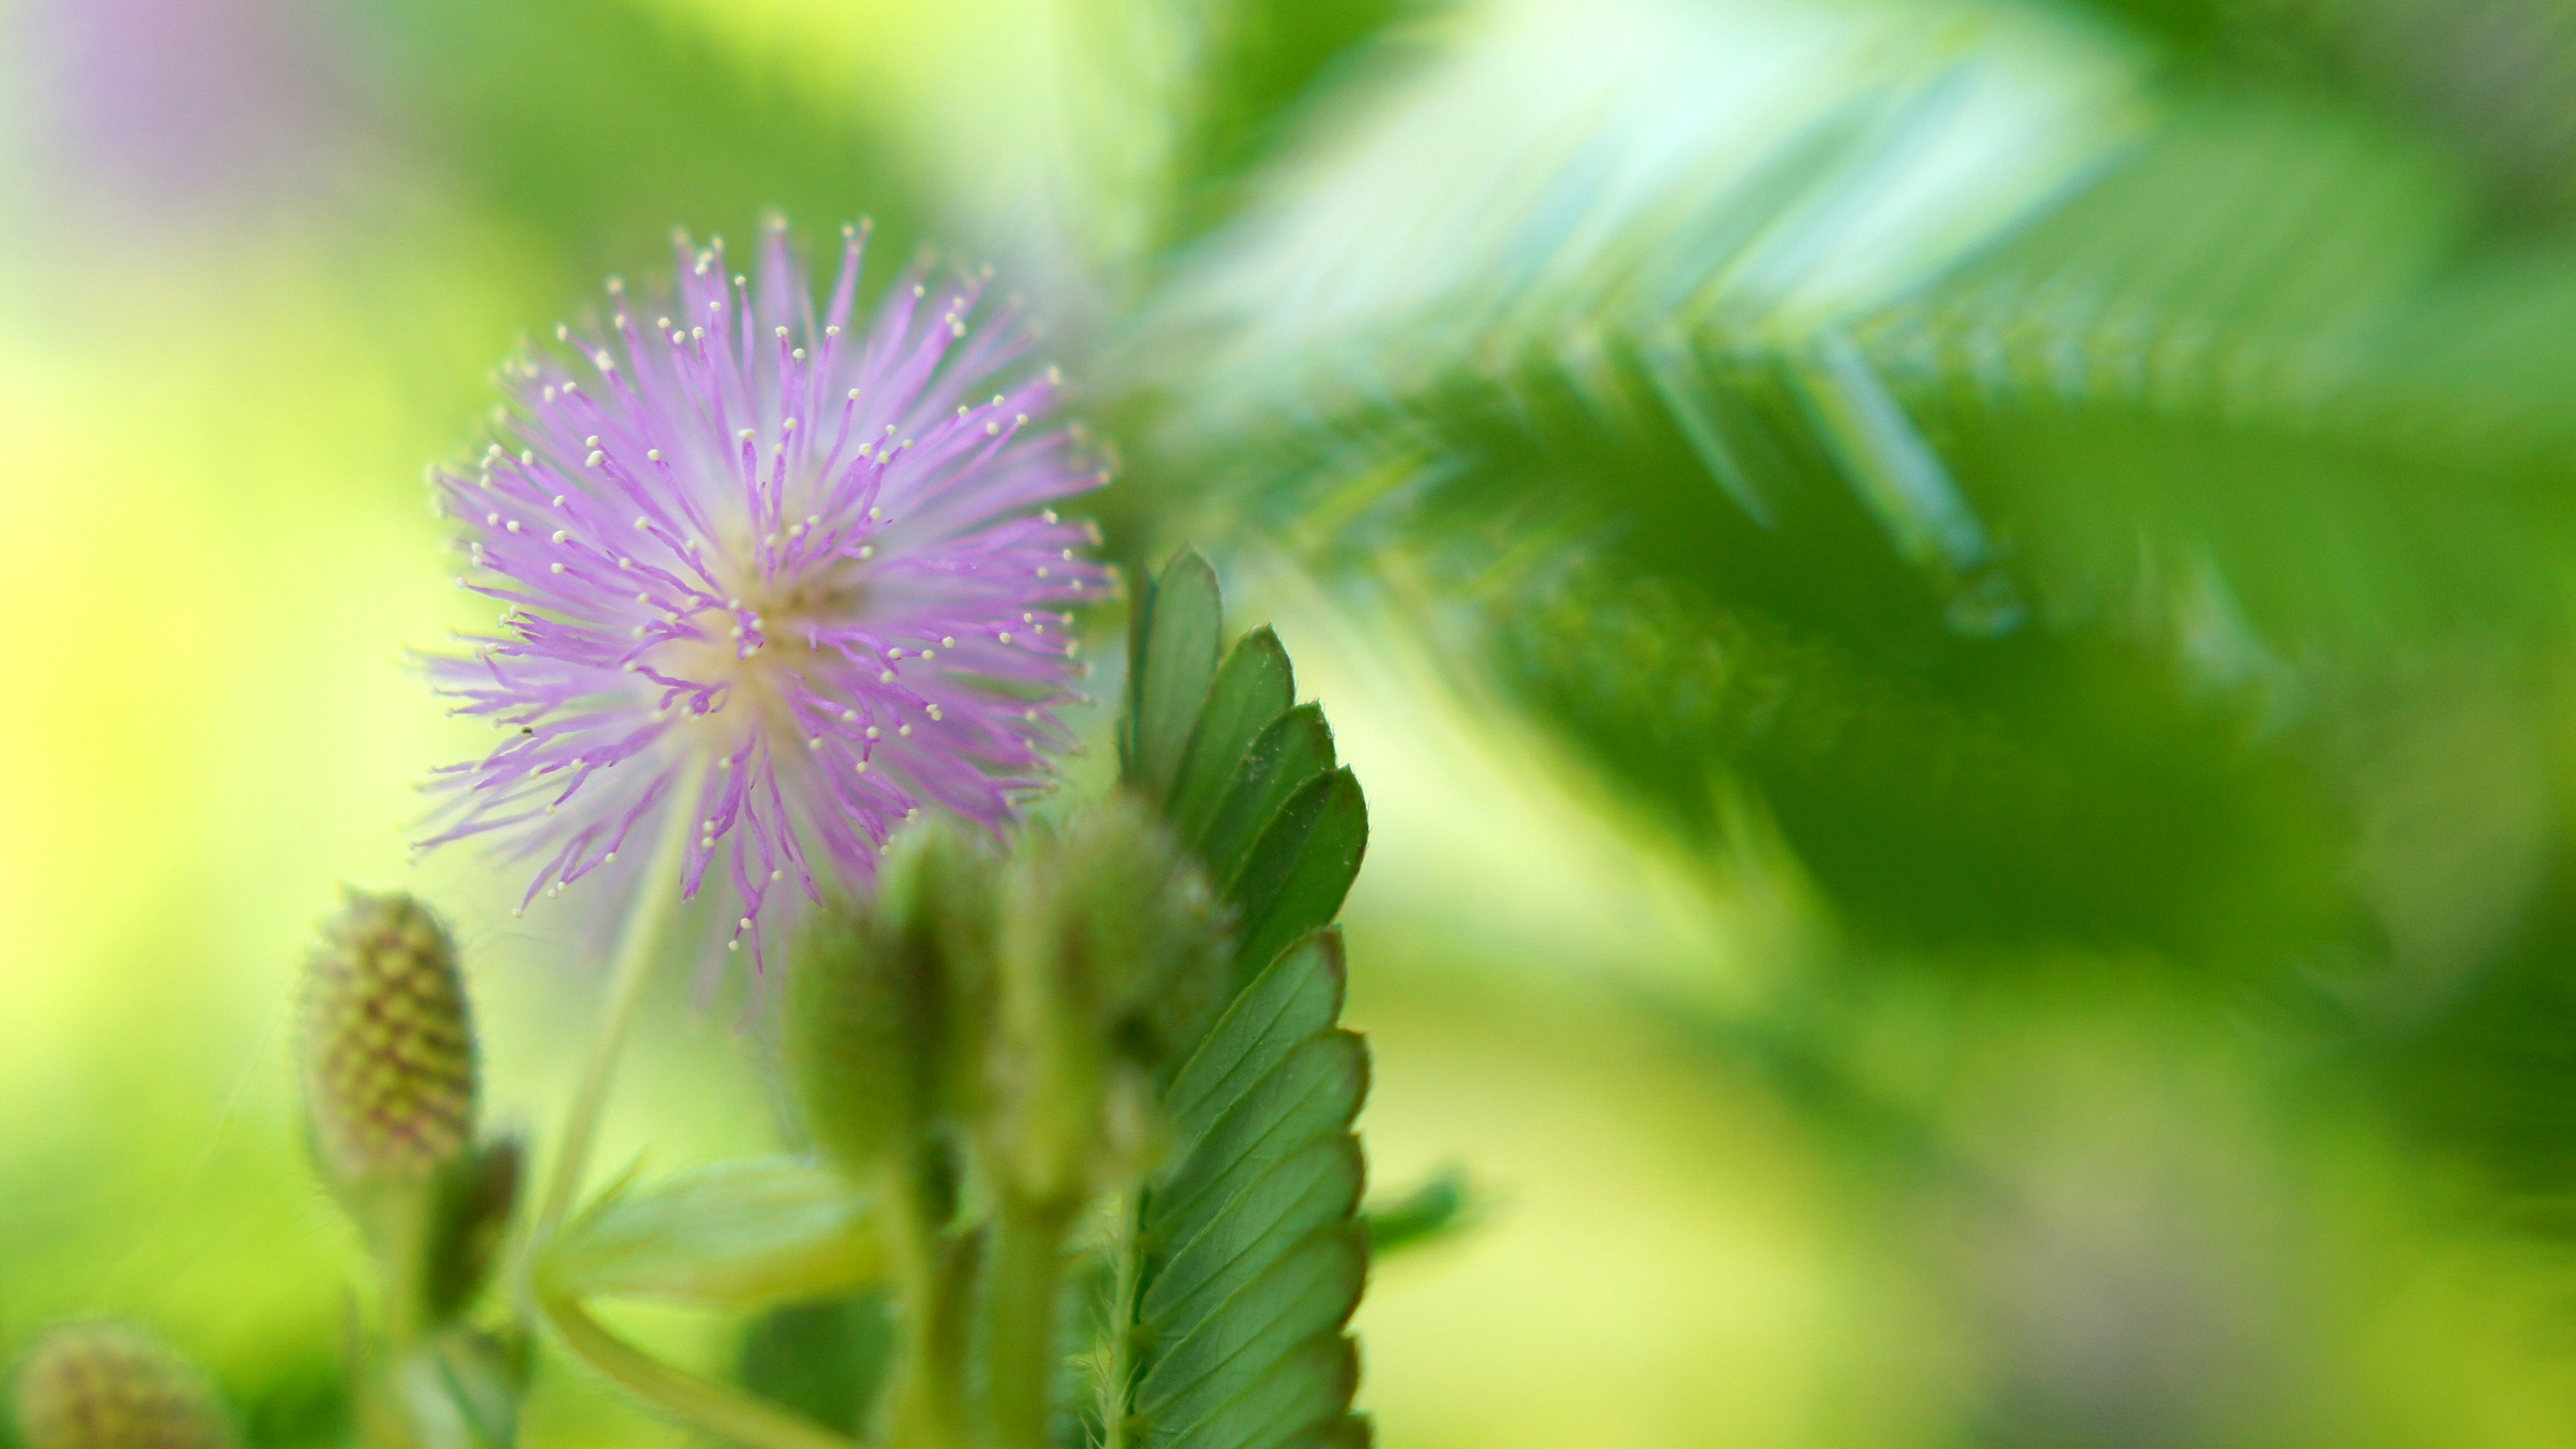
654 904
693 1400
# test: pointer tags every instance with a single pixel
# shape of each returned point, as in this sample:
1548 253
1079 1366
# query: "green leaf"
728 1234
1244 775
1293 751
2248 351
1175 660
1243 1261
1302 1194
1248 1256
1318 1083
2040 788
1353 1432
1439 1208
1296 877
1253 687
1301 1394
826 1359
1280 1009
2416 60
473 1198
1316 1281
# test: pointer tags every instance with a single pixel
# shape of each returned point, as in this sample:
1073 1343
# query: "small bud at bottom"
106 1386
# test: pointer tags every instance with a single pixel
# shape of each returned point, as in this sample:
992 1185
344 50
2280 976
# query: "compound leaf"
728 1234
1248 1256
1241 1263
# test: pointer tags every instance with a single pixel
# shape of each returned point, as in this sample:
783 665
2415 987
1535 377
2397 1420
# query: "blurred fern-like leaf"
2492 79
1926 417
1254 69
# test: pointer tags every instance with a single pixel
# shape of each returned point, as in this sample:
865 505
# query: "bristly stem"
935 1276
1020 1336
1122 1320
657 896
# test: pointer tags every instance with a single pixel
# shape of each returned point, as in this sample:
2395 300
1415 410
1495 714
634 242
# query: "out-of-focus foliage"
592 124
2019 460
1967 456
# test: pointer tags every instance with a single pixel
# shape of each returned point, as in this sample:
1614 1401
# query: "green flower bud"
1109 918
107 1386
1113 957
886 1001
387 1043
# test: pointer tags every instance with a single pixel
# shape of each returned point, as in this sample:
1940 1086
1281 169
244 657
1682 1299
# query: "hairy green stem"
1122 1319
656 898
695 1401
935 1275
1020 1333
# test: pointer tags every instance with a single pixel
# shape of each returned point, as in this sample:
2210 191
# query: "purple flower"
788 578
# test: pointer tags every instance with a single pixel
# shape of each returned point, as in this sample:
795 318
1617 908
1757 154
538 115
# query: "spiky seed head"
387 1042
109 1386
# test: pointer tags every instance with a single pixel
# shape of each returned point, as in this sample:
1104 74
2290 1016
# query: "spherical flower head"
106 1386
387 1042
768 579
